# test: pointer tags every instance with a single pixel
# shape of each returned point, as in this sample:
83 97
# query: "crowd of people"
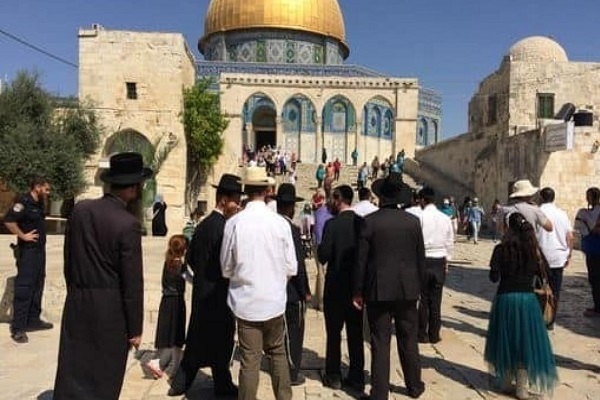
384 258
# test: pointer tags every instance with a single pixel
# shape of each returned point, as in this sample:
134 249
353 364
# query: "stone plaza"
452 369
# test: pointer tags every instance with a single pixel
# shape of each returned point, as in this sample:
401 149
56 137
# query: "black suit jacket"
339 250
298 287
391 257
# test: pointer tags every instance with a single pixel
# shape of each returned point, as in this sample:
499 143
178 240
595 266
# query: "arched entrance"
260 122
265 130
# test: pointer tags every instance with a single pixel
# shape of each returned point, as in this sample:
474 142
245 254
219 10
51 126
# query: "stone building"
279 68
508 119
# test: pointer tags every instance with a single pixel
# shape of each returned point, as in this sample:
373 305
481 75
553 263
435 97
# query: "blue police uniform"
31 264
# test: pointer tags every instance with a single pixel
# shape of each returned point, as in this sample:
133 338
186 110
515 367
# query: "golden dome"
323 17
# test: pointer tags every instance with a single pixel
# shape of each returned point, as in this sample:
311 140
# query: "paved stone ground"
453 369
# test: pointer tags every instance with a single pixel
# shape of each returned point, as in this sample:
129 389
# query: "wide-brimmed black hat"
287 194
230 183
126 169
391 189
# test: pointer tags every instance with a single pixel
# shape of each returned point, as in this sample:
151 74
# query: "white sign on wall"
559 137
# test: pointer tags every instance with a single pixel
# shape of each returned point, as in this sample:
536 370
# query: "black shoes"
20 337
39 326
416 393
354 385
226 390
298 380
332 381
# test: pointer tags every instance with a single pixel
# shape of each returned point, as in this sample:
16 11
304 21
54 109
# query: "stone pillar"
361 143
279 133
319 140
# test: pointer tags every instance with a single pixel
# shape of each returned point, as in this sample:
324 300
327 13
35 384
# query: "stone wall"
489 166
161 66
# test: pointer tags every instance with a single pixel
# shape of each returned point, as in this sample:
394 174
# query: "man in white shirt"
438 237
258 257
557 245
364 206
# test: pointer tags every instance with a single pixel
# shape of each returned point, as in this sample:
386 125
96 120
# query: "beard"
136 207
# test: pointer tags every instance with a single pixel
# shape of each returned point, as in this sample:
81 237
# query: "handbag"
543 291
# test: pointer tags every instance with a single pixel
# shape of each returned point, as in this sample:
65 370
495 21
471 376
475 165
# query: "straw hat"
257 176
523 188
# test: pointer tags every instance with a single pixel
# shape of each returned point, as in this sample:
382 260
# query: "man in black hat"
104 308
209 341
298 289
339 249
388 277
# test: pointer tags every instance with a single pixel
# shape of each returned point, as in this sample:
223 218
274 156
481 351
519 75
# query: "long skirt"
517 339
170 329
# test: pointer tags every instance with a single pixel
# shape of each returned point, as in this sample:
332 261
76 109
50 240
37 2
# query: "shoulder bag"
543 291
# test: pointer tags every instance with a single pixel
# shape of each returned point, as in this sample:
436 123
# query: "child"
170 330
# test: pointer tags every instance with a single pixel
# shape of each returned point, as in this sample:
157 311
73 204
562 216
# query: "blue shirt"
475 214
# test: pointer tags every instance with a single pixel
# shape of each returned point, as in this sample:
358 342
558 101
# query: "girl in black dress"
170 330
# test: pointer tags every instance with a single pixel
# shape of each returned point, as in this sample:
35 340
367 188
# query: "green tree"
40 138
204 125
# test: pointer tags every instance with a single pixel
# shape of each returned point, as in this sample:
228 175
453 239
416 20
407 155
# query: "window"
492 110
131 90
545 105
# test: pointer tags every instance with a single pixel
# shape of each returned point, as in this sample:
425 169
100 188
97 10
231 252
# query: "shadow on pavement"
472 313
470 280
467 376
462 326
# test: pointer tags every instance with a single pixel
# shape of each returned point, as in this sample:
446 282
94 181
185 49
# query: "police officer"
26 220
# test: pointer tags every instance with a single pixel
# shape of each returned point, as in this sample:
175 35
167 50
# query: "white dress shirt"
258 257
417 211
438 234
554 244
364 208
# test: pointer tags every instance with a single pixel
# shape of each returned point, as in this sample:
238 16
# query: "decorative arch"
299 115
435 131
339 115
260 121
378 117
132 140
422 131
338 121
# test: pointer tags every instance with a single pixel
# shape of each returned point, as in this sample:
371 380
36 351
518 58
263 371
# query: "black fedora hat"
230 183
391 189
286 193
126 169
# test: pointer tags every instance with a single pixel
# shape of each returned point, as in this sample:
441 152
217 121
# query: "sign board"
559 137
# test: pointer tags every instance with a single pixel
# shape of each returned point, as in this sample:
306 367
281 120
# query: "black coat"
391 257
298 287
339 250
210 331
105 296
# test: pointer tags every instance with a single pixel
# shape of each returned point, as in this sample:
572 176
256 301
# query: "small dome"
537 49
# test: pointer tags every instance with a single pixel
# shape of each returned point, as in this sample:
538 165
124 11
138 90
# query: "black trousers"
29 287
593 267
338 314
405 317
555 279
294 318
430 306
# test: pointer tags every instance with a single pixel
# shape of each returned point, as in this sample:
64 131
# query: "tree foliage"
38 138
204 125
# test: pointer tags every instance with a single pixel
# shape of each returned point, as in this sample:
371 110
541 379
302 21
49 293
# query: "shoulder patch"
18 207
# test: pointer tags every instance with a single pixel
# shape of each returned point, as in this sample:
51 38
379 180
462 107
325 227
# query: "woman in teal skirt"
517 345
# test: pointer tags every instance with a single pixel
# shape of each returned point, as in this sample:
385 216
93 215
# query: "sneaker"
39 325
154 367
20 337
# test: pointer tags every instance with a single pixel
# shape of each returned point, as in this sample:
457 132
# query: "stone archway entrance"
264 127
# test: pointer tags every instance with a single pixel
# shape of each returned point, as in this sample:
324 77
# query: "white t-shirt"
554 244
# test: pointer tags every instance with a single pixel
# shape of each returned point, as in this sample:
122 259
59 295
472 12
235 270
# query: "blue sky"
449 45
